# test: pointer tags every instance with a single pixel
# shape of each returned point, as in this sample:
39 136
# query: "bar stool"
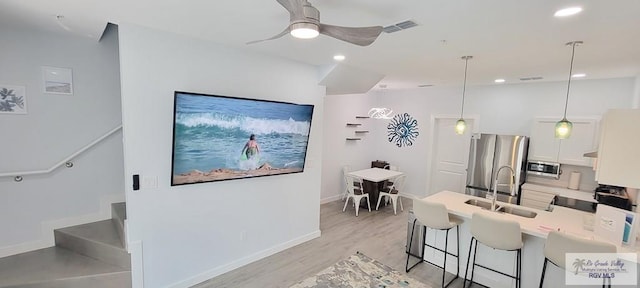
435 216
496 233
558 244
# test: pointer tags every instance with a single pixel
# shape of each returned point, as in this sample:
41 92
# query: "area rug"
359 271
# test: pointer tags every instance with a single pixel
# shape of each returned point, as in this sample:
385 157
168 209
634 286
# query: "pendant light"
381 112
461 125
564 126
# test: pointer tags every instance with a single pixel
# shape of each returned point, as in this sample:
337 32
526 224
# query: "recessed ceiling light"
338 57
568 11
578 75
499 80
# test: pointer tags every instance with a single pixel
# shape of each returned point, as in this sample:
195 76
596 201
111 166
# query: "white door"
450 155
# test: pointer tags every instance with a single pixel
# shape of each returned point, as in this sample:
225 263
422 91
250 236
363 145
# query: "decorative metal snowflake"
402 130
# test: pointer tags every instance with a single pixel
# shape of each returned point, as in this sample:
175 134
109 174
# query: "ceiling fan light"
563 128
304 30
461 125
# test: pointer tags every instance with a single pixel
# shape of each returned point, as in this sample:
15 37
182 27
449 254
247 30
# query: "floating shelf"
361 131
353 139
353 124
362 117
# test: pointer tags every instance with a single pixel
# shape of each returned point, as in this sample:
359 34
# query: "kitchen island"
534 232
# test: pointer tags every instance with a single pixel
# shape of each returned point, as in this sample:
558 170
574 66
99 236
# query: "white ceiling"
509 39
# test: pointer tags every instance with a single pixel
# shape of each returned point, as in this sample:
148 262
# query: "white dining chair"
393 192
356 192
345 170
392 168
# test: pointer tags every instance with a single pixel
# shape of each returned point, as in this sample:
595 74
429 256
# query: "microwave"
545 169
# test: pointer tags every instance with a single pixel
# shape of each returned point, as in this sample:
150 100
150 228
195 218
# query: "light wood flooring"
378 234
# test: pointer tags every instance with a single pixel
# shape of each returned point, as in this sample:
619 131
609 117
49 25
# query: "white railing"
66 161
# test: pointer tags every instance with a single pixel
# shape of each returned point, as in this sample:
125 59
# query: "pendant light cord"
566 102
464 85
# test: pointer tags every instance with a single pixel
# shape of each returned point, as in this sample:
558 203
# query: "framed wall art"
13 99
57 80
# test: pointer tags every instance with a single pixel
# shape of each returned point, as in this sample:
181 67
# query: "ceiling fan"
305 23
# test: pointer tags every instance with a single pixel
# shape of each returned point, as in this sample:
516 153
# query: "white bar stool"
497 233
435 216
558 244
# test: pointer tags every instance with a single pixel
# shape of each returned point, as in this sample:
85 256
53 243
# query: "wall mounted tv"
219 138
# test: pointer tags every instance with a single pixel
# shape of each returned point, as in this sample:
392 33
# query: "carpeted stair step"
118 214
98 240
57 267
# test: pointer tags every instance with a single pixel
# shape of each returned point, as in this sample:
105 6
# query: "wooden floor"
379 235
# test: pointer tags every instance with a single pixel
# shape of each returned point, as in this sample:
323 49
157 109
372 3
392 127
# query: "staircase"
87 255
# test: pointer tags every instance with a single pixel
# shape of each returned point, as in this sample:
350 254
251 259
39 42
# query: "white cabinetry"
536 199
619 151
543 145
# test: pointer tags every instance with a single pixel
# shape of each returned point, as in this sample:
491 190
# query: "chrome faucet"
495 185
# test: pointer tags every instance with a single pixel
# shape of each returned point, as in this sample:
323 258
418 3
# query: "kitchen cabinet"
543 146
619 151
536 199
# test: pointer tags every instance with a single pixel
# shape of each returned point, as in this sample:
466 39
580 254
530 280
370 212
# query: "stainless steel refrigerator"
490 152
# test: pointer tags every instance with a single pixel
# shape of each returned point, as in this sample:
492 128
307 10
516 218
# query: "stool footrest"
493 270
436 248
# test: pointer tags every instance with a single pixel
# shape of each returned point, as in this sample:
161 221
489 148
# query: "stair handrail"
18 175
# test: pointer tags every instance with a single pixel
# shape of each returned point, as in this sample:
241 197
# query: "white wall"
636 94
338 152
182 235
422 105
502 109
55 127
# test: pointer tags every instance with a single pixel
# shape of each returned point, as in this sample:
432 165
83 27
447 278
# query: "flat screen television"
219 138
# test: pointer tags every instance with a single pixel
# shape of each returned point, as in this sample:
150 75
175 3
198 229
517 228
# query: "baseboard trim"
338 197
244 261
330 199
137 264
47 238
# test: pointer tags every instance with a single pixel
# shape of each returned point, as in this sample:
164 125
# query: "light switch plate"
149 182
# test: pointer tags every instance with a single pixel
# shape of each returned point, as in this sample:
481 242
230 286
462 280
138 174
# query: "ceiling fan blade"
295 7
284 32
362 36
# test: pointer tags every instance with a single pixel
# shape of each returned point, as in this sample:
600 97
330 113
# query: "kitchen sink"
502 209
518 212
479 203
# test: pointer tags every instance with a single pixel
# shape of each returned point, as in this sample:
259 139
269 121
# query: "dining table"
372 177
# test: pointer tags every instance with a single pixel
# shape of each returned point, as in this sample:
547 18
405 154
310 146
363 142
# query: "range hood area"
593 154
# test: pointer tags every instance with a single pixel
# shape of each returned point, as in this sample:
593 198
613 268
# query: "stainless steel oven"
545 169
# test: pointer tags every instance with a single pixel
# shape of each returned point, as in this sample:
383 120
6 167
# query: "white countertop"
561 218
564 192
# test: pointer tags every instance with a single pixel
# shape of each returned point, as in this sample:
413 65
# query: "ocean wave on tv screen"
243 123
